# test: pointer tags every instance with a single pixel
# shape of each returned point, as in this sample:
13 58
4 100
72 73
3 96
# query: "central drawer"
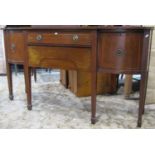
63 38
60 57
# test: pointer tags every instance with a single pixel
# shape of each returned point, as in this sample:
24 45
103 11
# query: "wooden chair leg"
10 85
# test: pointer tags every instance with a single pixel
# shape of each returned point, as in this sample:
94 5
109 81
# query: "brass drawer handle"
75 37
39 37
120 52
13 46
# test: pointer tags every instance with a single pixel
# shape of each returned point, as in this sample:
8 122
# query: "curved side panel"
120 51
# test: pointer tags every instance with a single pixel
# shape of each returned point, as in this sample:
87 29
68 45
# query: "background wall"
150 98
2 56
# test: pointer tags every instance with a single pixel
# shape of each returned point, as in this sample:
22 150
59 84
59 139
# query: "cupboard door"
120 51
16 47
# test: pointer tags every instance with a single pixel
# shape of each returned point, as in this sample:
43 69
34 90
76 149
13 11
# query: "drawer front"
120 51
64 38
15 50
59 57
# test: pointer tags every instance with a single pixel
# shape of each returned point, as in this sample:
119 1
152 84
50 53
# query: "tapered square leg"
143 86
28 87
9 77
93 98
94 77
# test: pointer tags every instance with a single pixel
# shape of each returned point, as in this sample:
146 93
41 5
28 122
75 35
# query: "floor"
56 107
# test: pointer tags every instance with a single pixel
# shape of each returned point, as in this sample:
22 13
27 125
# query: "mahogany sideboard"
107 49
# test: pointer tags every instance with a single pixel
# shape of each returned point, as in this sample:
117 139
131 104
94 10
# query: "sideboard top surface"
74 27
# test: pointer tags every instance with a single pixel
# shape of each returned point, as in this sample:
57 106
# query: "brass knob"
13 46
39 37
75 37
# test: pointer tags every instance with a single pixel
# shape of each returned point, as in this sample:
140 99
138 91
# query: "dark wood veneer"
59 37
15 46
60 57
120 51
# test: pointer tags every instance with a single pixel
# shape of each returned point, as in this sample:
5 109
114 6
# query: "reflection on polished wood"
120 51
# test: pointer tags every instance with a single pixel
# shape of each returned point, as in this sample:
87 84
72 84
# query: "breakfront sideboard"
106 49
